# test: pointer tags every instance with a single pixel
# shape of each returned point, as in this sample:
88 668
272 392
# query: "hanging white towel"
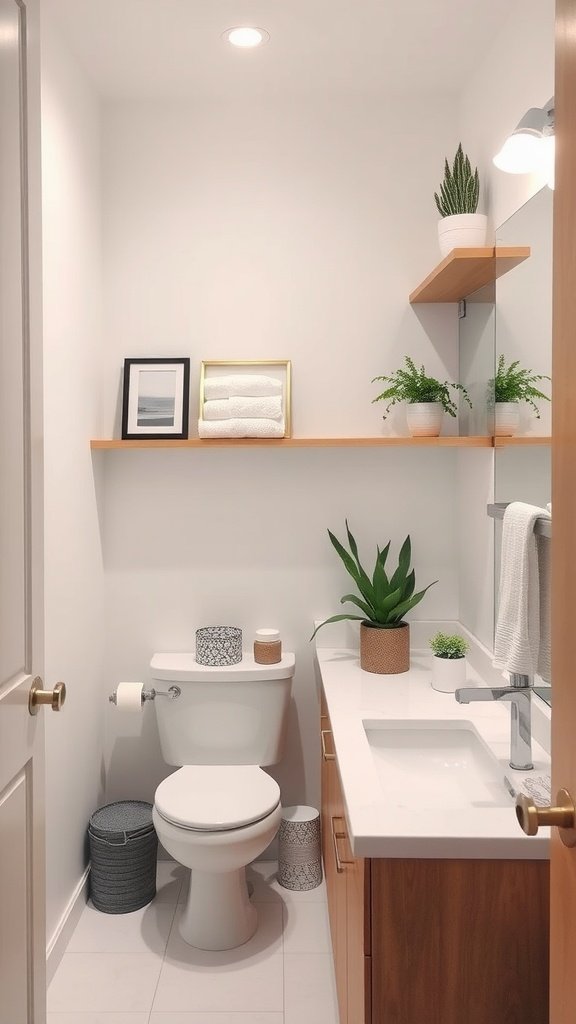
246 384
267 407
543 550
517 643
240 428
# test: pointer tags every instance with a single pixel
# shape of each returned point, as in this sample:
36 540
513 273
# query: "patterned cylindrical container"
299 858
218 645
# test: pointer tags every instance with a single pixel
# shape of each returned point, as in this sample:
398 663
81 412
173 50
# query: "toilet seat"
216 798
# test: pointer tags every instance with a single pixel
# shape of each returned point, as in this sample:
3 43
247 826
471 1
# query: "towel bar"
542 527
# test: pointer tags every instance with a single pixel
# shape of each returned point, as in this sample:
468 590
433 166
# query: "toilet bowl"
215 820
219 811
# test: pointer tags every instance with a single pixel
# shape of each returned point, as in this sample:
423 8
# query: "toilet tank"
236 714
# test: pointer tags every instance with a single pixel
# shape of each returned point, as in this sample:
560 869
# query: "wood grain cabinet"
426 941
348 885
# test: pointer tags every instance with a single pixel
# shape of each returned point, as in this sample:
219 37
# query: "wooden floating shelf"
521 442
464 271
300 442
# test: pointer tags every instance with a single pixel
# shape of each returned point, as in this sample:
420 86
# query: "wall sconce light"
530 147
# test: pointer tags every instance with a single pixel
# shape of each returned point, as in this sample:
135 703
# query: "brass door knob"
38 696
563 816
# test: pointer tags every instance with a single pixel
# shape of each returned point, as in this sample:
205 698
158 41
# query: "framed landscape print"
156 398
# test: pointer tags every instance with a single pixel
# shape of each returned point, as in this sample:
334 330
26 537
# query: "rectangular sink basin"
435 764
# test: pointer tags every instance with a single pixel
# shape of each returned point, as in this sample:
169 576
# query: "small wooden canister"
267 647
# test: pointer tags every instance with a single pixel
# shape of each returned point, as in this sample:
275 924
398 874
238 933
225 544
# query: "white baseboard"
62 934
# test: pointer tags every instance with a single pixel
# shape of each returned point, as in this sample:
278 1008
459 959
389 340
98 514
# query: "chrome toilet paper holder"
173 692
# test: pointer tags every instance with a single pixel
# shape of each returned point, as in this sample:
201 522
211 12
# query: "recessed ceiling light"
246 36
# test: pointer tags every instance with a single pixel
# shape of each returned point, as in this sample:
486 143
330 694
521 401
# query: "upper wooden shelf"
464 271
521 442
301 442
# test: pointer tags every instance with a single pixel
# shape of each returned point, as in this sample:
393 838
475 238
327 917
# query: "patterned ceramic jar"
219 645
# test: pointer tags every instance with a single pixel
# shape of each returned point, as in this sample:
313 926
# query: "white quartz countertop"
381 825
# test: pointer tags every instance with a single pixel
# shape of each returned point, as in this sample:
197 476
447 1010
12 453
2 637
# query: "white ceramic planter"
424 419
462 231
506 419
448 674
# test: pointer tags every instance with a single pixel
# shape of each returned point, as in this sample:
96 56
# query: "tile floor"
135 968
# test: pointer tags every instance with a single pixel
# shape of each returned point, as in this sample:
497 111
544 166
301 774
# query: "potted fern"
428 399
457 202
384 601
449 662
513 384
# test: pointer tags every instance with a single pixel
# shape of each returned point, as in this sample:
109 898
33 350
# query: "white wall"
278 231
73 562
516 73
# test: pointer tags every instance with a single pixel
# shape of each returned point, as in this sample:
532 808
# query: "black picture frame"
156 399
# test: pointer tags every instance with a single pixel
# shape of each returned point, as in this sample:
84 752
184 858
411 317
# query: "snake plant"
383 600
460 189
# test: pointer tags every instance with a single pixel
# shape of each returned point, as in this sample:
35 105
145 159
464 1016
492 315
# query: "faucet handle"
530 816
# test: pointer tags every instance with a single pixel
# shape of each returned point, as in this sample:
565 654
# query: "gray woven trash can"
299 859
123 850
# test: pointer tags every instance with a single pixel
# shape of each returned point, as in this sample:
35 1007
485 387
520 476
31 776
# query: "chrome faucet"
519 693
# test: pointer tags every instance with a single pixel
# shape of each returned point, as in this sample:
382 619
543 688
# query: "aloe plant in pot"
384 601
457 202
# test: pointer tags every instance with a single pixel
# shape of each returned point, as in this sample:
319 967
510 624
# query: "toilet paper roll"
129 697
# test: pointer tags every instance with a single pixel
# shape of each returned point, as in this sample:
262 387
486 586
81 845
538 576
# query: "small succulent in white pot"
461 227
449 661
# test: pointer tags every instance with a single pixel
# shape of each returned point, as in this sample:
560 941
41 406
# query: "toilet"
219 811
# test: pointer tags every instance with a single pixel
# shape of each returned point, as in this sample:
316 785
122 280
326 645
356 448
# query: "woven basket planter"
385 651
299 863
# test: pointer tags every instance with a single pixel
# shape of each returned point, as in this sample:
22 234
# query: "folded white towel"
268 407
517 643
254 384
241 428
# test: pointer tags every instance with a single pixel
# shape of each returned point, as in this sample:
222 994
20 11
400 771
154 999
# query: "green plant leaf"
380 584
366 608
350 565
408 588
354 549
336 618
406 606
388 605
399 577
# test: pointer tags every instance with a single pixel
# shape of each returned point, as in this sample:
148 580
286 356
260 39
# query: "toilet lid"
214 798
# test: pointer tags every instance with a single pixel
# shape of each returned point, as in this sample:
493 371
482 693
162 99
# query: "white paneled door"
22 883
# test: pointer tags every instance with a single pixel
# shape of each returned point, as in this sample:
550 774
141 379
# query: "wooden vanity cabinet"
425 941
348 886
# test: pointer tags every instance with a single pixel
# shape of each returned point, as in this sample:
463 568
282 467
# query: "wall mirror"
523 331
